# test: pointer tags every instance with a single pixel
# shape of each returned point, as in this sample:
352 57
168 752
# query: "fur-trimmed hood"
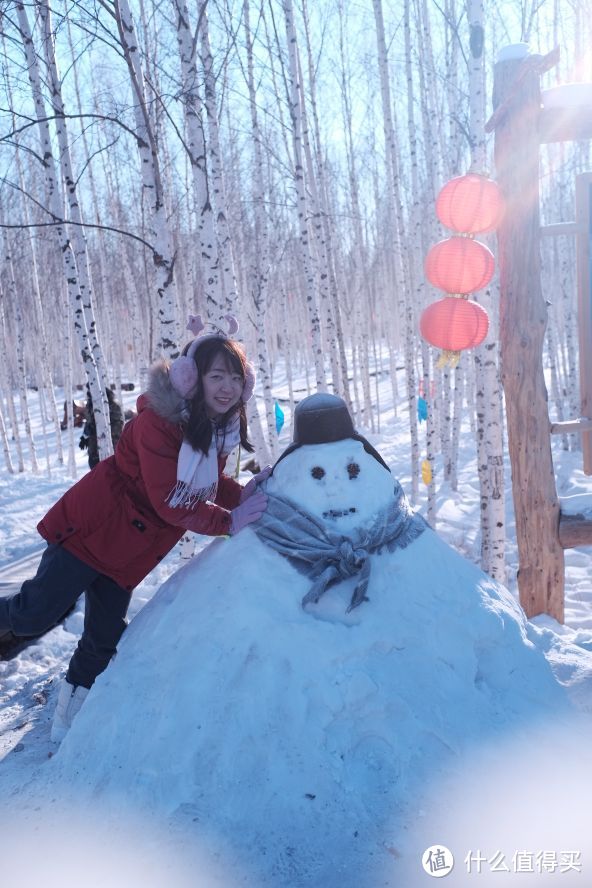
130 524
161 396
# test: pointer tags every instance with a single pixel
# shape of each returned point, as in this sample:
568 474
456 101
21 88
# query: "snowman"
287 696
333 501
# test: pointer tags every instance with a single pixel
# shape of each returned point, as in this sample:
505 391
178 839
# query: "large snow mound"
296 745
272 729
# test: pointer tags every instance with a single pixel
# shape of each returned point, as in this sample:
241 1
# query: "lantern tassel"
450 358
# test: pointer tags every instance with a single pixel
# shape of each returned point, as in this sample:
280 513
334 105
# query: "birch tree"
21 375
306 254
417 281
215 168
257 274
42 339
401 280
88 343
488 389
97 381
195 145
5 445
152 186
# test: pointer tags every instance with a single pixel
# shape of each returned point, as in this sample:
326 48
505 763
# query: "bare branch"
34 121
129 234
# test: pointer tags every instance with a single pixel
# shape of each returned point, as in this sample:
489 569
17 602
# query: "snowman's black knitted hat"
322 419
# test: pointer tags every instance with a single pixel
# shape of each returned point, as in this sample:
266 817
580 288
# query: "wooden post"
523 318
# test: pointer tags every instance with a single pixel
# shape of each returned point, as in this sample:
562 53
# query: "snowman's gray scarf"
326 556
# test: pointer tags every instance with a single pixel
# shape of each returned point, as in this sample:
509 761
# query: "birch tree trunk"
445 422
152 187
112 334
137 334
488 387
44 422
435 135
195 144
456 422
5 383
287 339
358 248
227 277
68 387
21 375
98 380
46 373
401 283
319 209
417 281
89 348
552 352
5 444
306 256
258 271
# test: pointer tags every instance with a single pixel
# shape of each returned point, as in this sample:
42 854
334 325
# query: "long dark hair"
198 429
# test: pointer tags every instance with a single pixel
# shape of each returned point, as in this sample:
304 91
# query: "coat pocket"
125 535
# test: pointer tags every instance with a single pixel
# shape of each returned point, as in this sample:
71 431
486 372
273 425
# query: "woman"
88 439
116 524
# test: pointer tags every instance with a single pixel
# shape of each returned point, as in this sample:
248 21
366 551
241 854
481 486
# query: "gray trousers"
42 601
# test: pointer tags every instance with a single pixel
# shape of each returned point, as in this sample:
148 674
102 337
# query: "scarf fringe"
186 497
197 472
327 557
414 527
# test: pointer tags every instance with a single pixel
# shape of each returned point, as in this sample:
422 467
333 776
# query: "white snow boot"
70 699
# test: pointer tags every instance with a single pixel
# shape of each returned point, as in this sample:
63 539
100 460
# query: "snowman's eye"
317 472
353 470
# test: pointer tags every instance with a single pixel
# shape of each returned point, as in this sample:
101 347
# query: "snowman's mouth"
339 513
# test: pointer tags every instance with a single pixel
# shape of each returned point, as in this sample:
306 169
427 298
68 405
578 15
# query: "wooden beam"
575 530
569 124
571 425
523 318
560 228
523 67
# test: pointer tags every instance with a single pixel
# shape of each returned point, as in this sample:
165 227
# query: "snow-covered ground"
505 780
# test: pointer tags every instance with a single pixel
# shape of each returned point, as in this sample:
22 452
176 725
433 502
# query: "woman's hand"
251 486
248 512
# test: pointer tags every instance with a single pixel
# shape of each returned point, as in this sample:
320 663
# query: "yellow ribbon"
448 357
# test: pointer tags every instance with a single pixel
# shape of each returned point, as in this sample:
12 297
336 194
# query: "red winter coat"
115 518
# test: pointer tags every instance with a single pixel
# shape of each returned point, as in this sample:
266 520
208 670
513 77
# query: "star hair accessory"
183 370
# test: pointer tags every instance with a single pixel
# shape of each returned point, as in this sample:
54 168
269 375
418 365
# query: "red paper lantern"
453 324
459 265
470 204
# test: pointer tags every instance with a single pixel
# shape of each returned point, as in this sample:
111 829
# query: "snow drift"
296 745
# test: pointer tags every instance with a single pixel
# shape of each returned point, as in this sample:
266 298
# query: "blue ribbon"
279 417
422 409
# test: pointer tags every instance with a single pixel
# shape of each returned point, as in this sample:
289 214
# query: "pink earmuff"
183 370
250 378
183 376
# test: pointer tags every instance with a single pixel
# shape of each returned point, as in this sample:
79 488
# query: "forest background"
278 161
